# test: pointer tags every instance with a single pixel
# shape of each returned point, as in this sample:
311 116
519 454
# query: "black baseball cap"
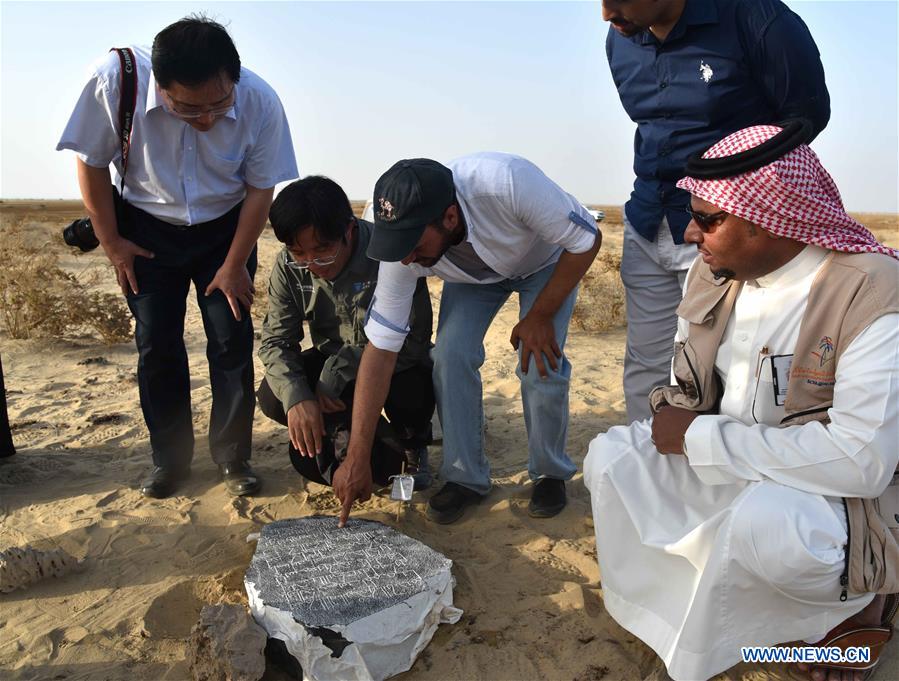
410 195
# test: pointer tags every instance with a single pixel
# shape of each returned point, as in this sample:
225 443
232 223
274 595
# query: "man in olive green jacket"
324 277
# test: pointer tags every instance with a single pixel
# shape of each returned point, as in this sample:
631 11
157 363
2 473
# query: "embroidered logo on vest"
825 345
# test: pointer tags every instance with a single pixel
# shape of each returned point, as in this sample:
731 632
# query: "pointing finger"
345 511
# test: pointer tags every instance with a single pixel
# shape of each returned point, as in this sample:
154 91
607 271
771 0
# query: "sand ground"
530 588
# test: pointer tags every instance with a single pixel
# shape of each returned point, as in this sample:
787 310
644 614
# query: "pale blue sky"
367 83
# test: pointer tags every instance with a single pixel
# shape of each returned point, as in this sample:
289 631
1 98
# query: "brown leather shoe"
240 480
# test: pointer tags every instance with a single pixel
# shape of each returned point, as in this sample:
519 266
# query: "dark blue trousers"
182 255
6 446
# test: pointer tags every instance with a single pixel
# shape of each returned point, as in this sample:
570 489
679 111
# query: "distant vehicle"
598 215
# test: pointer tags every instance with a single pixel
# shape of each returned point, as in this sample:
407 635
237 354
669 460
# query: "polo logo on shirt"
705 71
386 210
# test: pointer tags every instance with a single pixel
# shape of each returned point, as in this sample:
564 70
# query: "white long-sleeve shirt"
855 454
519 221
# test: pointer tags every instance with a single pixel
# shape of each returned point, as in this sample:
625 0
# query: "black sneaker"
448 505
547 498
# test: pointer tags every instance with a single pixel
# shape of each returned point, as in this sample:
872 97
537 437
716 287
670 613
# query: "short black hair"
193 51
315 200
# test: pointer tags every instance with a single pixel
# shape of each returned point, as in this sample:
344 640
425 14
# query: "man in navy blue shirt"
689 72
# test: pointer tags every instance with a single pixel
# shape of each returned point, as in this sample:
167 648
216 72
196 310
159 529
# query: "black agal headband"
795 132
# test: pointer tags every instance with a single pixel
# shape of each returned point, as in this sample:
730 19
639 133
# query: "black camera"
80 233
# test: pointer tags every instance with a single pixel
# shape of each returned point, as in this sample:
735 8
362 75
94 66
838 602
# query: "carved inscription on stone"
323 575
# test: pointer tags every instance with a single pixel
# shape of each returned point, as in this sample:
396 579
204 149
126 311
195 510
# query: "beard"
430 262
626 28
448 237
724 274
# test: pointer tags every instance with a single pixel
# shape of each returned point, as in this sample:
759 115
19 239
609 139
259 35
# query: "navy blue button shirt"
726 65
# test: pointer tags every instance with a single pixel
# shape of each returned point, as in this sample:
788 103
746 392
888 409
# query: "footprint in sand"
129 506
544 553
174 612
31 468
242 508
580 558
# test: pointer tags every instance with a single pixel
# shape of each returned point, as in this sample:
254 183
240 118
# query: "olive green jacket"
336 312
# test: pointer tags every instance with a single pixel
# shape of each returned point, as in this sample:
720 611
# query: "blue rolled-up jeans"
466 312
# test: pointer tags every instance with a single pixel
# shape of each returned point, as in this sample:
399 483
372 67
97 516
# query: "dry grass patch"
38 298
600 300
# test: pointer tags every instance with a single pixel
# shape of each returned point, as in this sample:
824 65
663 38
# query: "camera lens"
80 234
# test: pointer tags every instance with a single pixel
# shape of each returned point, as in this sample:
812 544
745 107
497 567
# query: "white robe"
742 542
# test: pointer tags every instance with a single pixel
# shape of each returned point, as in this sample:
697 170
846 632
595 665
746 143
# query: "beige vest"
848 294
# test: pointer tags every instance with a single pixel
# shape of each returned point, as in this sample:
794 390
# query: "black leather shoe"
547 498
240 480
448 505
163 481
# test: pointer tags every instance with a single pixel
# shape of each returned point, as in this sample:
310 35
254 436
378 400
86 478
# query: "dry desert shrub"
600 300
40 299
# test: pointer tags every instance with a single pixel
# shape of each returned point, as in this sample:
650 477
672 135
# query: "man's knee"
533 379
269 404
604 450
452 354
160 342
786 536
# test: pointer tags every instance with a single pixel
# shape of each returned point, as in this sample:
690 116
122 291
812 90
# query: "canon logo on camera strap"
127 104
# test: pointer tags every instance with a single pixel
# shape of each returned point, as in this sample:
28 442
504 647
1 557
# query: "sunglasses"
707 222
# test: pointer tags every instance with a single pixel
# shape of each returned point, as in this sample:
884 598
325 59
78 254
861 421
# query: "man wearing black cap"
488 224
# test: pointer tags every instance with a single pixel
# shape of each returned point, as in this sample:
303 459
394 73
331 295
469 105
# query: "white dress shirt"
855 454
518 220
176 173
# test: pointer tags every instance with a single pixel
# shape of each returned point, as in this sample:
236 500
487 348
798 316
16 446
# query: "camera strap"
127 104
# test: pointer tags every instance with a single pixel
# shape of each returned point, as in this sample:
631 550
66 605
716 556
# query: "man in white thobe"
727 528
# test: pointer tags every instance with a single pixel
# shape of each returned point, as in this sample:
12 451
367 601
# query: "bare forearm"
96 192
372 386
570 269
250 224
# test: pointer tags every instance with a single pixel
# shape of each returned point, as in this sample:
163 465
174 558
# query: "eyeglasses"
707 222
301 265
215 112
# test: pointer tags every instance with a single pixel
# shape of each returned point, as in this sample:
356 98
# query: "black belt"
138 217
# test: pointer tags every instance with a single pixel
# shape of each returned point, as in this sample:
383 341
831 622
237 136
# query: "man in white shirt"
722 522
489 225
209 142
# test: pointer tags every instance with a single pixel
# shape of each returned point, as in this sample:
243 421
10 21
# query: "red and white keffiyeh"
793 197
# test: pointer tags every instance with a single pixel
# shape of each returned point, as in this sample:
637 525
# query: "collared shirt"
176 173
335 312
726 65
855 454
518 221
